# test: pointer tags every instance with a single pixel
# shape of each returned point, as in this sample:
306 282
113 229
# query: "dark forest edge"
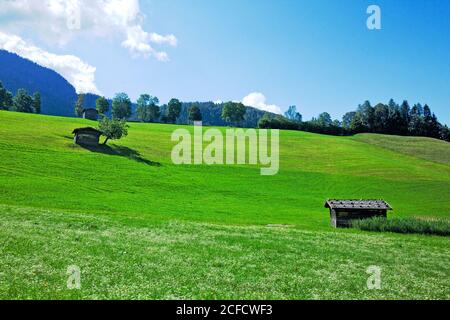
391 118
21 102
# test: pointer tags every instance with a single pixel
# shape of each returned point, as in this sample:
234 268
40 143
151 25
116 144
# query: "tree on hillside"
265 121
432 126
444 133
6 98
336 123
102 105
357 124
121 106
22 102
404 117
269 121
154 112
393 122
37 102
9 100
426 112
195 114
290 113
347 120
173 110
380 118
79 105
147 108
113 129
416 123
325 119
392 104
419 109
233 112
366 114
293 115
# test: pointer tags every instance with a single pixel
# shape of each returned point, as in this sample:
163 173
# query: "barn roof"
87 130
358 204
90 109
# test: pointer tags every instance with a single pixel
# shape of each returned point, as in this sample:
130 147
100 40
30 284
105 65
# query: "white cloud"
159 39
218 101
258 100
61 20
138 43
80 74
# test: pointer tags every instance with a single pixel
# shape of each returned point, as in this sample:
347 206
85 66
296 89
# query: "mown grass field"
140 227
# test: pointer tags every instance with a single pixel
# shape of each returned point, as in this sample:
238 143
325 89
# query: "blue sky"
317 55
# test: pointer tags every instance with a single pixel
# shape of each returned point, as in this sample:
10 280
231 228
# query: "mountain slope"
57 94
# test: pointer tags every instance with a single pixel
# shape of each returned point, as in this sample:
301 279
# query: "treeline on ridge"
382 118
148 109
390 118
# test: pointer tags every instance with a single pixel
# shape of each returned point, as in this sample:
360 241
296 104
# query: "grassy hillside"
143 227
420 147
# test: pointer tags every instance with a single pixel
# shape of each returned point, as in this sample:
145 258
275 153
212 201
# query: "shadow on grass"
122 152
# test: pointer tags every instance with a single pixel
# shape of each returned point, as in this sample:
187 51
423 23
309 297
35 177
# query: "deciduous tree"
173 110
121 106
366 115
79 105
22 102
293 115
113 129
195 114
148 109
233 112
6 98
347 119
102 105
325 119
37 102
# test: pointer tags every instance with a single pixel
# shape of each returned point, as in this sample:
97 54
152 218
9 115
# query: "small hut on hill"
87 136
90 114
342 212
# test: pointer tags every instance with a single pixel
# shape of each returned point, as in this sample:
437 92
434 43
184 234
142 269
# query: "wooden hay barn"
90 114
87 136
342 212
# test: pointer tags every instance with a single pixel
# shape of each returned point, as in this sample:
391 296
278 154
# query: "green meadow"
140 227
